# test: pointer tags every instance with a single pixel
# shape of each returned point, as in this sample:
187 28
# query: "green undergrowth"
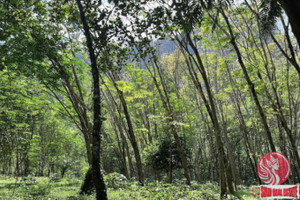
119 188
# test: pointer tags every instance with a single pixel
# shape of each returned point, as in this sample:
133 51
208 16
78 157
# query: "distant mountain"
165 47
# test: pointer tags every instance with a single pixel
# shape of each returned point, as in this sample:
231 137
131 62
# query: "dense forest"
146 99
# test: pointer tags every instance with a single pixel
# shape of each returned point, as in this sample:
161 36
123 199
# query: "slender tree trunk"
250 83
232 165
118 128
167 106
83 125
97 121
17 170
243 127
171 165
211 108
121 145
118 120
132 137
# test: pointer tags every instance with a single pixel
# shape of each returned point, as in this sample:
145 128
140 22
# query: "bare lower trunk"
87 186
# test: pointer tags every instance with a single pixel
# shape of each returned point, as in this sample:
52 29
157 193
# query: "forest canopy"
114 99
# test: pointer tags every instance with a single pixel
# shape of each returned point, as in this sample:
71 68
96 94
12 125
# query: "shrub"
116 180
31 189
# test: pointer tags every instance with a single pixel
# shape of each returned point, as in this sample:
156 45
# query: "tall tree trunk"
17 169
211 109
98 119
121 145
121 142
280 116
243 127
83 124
249 82
119 122
231 164
164 96
132 137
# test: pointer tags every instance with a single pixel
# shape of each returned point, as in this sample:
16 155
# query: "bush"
31 189
116 180
55 178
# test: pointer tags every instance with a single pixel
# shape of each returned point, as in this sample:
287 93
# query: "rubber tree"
97 176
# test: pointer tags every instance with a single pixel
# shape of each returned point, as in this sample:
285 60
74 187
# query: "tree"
98 118
115 77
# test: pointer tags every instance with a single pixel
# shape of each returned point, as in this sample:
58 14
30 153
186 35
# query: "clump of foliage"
116 180
166 155
31 189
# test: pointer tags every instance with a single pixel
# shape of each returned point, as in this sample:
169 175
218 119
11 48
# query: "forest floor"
49 189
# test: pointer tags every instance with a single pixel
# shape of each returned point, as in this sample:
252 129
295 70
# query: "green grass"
41 188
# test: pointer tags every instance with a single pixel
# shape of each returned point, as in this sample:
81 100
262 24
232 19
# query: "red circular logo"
274 168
